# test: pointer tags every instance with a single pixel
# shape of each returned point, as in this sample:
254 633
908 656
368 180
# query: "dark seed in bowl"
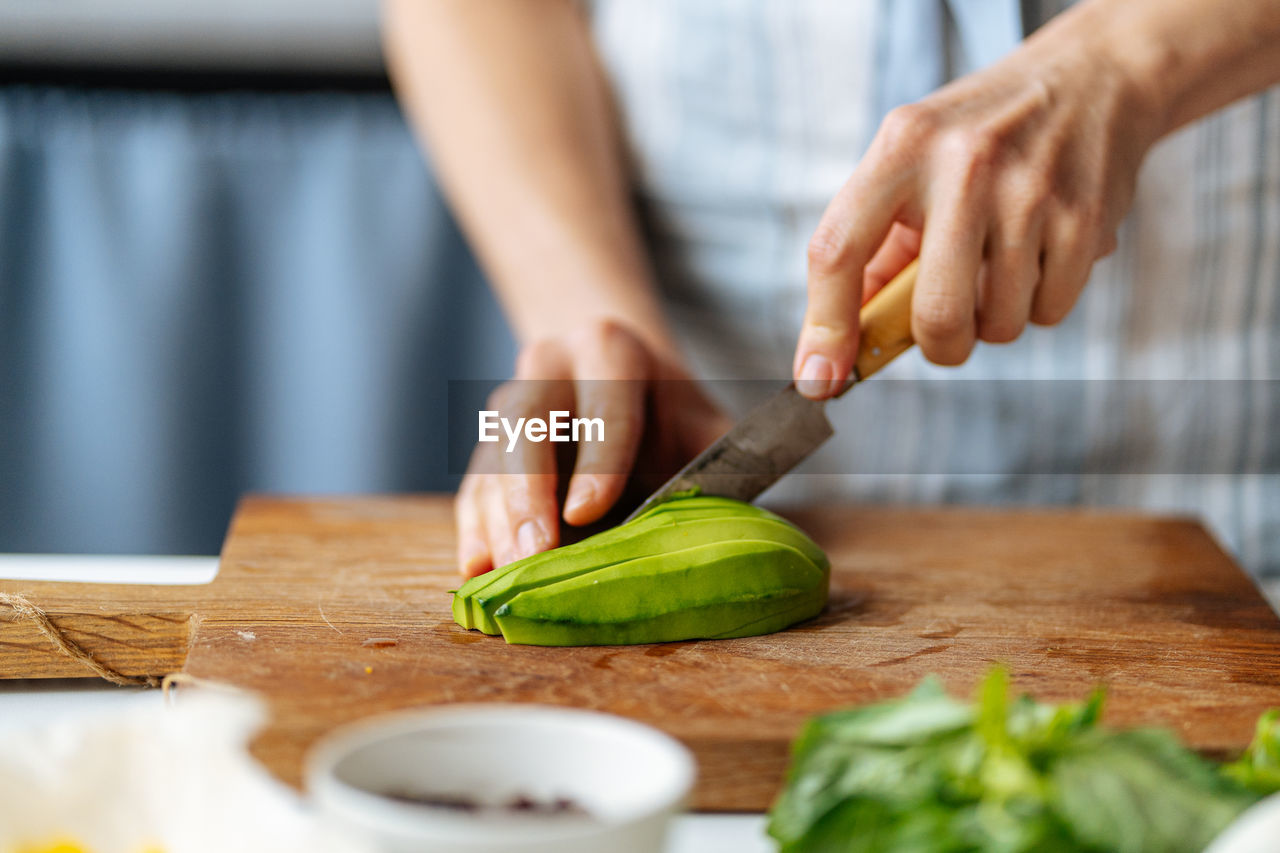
521 804
437 801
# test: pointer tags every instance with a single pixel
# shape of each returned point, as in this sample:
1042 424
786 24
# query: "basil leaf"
1259 768
929 774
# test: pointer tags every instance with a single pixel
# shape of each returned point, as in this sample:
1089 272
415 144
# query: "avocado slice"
694 567
476 600
655 536
714 590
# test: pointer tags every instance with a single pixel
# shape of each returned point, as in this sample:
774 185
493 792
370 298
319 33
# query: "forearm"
1187 58
515 110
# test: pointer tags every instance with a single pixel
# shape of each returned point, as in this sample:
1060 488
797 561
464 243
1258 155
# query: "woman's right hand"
507 505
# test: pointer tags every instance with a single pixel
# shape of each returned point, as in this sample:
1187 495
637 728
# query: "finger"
611 370
497 526
1068 258
530 501
1008 282
473 547
898 249
528 466
943 306
854 225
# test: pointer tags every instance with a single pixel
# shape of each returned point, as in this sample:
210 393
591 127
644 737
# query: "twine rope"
24 608
175 680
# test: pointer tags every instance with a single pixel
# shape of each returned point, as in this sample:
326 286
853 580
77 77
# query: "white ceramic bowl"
628 777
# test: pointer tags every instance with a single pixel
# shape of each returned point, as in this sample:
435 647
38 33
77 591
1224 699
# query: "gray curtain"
202 295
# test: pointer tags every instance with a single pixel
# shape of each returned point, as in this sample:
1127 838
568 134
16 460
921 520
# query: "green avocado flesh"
692 568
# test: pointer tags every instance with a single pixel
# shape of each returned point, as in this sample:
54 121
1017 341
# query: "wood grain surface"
1150 606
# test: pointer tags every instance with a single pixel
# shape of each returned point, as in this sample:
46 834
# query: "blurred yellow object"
61 845
66 845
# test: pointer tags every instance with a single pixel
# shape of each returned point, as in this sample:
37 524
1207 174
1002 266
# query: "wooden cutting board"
311 591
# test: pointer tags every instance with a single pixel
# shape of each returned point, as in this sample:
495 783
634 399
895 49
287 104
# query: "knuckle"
515 494
1051 308
501 397
609 328
603 334
1086 221
1041 94
1047 315
535 358
1030 191
466 495
904 125
834 333
1012 233
1038 186
999 330
607 348
827 251
938 318
1076 236
971 153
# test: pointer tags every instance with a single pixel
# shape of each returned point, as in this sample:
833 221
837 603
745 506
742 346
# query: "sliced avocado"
468 605
718 589
652 539
692 567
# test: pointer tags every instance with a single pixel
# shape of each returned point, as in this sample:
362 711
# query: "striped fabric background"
745 116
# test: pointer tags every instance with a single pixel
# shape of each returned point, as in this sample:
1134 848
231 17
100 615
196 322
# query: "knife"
778 434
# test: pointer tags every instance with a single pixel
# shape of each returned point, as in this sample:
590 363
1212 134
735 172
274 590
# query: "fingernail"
817 376
580 495
529 539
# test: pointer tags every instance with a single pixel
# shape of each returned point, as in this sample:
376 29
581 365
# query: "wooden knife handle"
886 324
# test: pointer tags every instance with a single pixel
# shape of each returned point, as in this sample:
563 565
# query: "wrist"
1124 43
1184 60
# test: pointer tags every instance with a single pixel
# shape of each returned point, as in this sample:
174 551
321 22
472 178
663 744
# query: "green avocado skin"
654 532
692 568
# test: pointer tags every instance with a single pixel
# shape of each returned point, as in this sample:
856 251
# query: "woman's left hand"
1008 184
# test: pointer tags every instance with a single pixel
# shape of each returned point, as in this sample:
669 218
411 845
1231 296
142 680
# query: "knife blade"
782 431
771 440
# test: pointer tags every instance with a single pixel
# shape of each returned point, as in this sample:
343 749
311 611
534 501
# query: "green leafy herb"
1259 768
929 774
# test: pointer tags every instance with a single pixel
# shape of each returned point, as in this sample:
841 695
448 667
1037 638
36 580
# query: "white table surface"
28 703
